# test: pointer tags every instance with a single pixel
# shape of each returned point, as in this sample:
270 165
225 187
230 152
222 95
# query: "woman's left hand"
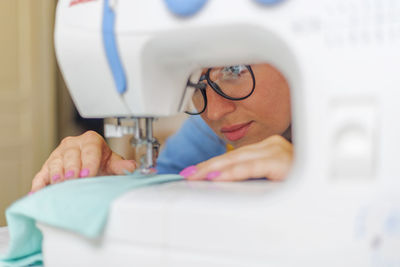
270 158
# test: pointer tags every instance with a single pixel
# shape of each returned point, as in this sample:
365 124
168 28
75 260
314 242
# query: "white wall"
27 94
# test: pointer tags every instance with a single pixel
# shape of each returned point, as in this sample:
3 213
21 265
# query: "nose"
218 106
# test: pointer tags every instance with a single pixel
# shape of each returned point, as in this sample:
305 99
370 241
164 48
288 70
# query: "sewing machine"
340 205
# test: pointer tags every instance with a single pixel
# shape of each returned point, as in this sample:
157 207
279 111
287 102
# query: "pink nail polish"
188 171
69 174
213 175
55 177
30 193
84 173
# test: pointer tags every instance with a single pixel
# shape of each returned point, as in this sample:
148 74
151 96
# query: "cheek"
212 124
271 106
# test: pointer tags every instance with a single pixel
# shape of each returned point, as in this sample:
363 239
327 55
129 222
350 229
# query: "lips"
236 132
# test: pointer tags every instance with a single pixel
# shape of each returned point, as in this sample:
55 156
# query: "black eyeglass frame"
202 87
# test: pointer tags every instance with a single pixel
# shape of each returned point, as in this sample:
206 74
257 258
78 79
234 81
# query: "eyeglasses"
234 83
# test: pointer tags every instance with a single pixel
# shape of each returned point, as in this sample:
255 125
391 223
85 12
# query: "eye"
233 72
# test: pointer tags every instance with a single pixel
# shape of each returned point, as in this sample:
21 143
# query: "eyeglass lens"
232 82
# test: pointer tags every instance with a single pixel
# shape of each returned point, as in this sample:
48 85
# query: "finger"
91 157
72 163
272 161
274 147
56 169
209 168
40 180
272 169
55 162
236 172
118 165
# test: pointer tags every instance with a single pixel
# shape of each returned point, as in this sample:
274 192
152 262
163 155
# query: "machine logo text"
77 2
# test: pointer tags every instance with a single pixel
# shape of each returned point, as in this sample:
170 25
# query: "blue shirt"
195 142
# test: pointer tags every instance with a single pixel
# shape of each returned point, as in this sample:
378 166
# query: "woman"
245 107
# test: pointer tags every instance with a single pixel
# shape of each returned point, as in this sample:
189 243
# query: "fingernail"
55 177
69 174
84 173
188 171
213 175
30 193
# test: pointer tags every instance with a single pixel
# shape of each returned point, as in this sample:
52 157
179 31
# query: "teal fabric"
79 205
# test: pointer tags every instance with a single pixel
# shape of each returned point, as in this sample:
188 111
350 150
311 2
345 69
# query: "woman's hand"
270 158
82 156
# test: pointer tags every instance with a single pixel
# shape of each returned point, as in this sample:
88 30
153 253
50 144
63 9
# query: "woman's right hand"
82 156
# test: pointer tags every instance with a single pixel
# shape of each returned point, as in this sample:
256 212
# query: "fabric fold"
79 205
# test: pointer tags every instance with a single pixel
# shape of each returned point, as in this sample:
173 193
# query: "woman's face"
266 112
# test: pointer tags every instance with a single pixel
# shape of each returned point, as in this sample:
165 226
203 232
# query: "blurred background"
36 111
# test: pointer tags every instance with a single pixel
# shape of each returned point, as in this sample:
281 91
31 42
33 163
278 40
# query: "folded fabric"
79 205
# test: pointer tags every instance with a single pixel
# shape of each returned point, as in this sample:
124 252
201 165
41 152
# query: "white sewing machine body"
237 225
341 59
